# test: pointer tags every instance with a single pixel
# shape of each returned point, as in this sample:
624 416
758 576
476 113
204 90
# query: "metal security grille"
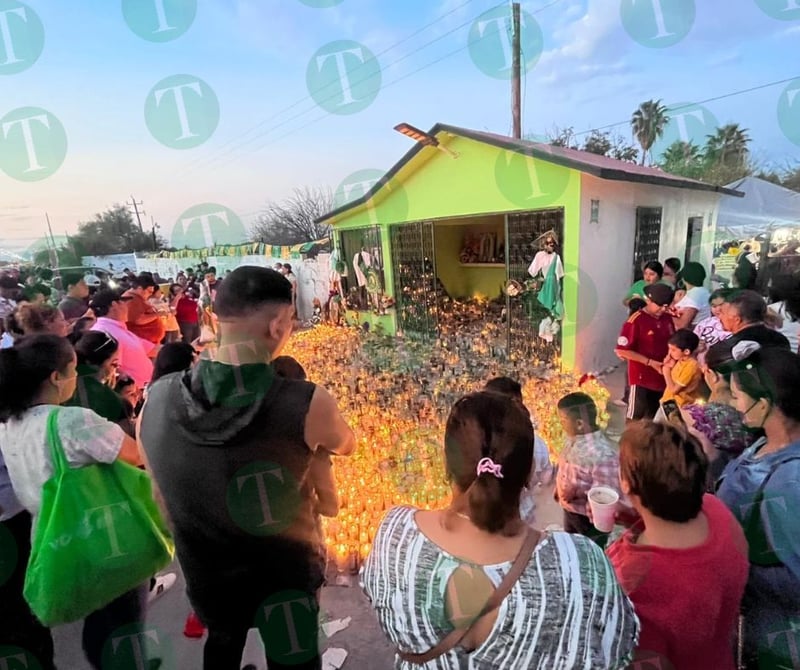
415 278
524 234
648 238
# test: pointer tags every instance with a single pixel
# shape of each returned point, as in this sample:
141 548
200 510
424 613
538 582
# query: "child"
589 459
681 370
320 471
542 469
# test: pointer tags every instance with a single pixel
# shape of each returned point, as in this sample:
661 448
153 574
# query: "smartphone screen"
671 410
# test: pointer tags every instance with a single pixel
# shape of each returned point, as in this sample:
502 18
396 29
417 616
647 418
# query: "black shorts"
643 403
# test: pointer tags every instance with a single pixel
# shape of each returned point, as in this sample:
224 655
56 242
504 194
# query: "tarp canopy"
764 207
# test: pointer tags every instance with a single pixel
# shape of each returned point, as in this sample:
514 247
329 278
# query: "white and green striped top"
566 612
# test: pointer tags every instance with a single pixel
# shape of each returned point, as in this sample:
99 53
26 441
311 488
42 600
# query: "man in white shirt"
111 309
545 258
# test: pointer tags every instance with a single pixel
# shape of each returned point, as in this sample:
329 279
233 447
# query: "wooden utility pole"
516 75
135 206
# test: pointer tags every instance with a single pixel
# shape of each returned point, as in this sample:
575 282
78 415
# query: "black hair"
211 270
635 305
656 267
505 386
144 280
37 289
772 373
95 347
25 367
684 339
723 293
749 305
786 289
288 368
173 357
81 326
579 405
249 288
71 279
719 357
489 425
673 264
666 468
123 382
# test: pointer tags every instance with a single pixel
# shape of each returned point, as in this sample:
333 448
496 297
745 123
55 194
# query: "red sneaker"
194 627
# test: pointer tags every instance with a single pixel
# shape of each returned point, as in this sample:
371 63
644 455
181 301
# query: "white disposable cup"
603 501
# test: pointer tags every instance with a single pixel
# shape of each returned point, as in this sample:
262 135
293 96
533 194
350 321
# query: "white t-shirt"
542 262
85 437
790 328
696 297
133 350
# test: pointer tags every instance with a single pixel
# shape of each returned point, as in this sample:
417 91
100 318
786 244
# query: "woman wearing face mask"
762 489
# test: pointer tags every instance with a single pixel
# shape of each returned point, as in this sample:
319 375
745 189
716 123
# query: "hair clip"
744 349
488 465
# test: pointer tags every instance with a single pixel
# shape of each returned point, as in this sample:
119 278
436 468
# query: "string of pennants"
249 249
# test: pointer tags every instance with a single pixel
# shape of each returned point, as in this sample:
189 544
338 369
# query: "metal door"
524 233
648 238
415 283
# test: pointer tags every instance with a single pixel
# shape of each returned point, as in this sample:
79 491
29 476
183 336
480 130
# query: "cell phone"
672 411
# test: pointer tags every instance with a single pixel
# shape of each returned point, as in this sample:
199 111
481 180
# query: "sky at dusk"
184 103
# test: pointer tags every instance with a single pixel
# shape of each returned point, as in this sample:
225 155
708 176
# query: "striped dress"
566 612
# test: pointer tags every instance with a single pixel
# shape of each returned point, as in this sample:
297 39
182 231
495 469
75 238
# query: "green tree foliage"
111 232
648 123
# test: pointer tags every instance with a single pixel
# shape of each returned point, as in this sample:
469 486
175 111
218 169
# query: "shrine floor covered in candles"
396 394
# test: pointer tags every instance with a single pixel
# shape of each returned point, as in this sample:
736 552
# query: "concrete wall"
606 254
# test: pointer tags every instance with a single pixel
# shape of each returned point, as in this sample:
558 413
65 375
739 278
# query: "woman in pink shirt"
684 563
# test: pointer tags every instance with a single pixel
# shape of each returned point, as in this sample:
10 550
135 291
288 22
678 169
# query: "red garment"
646 335
186 310
139 309
687 599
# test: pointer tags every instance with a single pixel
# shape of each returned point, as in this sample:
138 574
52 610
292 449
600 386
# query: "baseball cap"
660 294
101 301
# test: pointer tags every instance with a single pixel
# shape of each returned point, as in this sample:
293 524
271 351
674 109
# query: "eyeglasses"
109 340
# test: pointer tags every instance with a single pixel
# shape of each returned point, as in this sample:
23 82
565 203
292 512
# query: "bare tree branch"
293 220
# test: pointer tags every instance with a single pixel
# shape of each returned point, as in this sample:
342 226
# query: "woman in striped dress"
431 572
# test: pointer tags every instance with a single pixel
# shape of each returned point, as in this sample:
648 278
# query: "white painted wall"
606 254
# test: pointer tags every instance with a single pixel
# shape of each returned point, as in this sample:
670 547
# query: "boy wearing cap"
644 343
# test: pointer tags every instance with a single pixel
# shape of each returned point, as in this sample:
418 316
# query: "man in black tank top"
229 445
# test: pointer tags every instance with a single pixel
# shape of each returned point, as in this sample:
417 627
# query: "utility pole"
51 243
155 227
516 76
136 206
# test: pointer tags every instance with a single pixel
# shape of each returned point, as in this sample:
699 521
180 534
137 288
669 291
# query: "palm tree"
729 145
648 124
683 158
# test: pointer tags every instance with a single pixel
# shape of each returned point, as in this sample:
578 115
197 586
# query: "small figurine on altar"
545 257
547 265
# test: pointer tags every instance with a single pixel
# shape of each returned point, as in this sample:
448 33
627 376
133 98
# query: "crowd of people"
238 443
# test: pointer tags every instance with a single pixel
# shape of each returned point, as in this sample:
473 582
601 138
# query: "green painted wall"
482 180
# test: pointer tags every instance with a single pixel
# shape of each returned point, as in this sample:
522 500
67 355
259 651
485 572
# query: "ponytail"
25 367
487 425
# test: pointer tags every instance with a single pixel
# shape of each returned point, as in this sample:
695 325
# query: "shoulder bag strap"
54 442
497 597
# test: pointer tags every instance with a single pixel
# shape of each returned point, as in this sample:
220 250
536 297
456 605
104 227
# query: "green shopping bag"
99 534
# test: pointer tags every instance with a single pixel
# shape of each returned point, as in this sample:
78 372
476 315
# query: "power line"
700 102
279 113
392 83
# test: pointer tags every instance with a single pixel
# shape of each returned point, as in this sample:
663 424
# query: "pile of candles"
396 393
